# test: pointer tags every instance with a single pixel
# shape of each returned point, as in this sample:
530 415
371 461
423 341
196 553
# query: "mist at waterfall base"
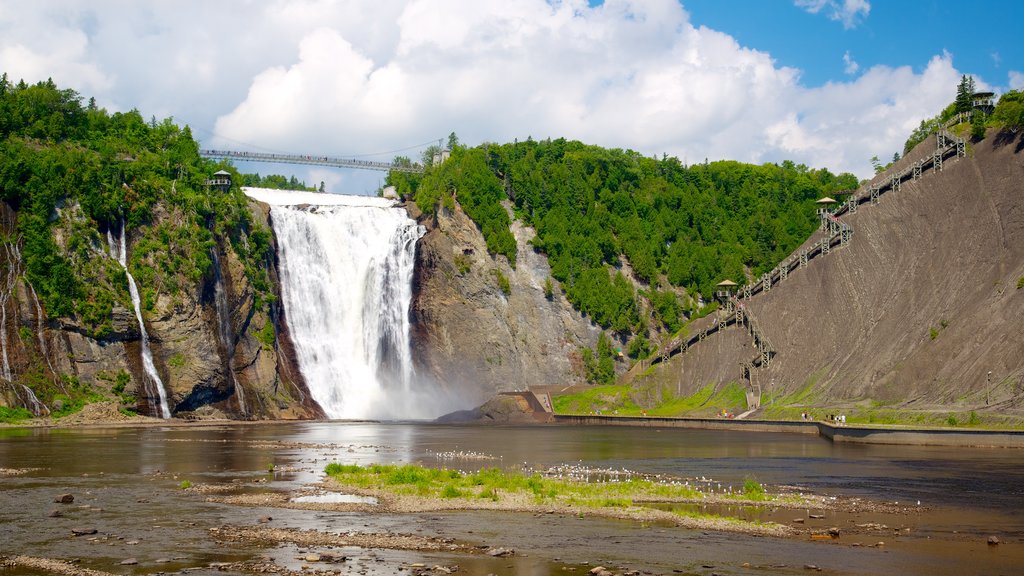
346 265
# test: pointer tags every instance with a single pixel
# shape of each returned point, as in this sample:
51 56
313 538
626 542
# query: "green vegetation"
495 484
933 333
13 415
120 384
1020 283
1009 112
753 490
502 281
595 209
651 400
266 335
185 485
75 173
462 264
275 181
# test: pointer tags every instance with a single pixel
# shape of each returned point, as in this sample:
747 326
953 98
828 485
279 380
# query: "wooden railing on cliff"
837 234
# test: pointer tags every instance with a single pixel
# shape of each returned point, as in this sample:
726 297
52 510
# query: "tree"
965 94
453 141
876 164
978 125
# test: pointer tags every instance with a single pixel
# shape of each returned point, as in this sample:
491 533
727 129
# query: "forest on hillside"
73 172
680 229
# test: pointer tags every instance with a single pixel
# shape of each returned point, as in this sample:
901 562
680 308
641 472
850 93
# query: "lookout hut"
221 181
725 290
825 210
984 101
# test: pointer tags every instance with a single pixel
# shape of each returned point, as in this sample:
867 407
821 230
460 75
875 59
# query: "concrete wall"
847 434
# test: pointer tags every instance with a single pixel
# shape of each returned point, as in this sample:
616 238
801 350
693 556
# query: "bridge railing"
311 160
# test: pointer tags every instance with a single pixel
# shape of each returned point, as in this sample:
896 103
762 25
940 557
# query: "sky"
826 83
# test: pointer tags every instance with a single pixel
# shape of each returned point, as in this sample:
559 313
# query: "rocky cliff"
480 326
212 347
922 309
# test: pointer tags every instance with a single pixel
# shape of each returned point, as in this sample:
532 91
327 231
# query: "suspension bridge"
310 159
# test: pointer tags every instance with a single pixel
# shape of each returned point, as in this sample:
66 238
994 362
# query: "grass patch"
14 415
620 399
496 485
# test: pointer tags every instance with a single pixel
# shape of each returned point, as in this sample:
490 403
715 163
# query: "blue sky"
983 38
827 83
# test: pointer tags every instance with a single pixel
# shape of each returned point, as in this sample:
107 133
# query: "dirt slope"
945 253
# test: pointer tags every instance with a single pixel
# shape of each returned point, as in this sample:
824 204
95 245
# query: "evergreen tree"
965 94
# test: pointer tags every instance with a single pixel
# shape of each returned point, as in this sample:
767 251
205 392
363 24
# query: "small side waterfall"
220 301
10 282
32 402
151 382
346 266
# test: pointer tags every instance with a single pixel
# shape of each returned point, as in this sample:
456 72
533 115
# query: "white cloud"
849 12
850 66
1015 80
341 77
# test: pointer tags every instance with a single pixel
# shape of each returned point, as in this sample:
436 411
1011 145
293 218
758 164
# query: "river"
127 484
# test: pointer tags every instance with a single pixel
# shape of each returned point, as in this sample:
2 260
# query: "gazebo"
725 290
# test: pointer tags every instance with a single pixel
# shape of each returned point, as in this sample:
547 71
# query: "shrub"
933 333
503 282
1020 283
753 489
952 420
185 485
450 491
13 415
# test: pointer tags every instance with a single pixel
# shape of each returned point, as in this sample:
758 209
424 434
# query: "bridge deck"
309 159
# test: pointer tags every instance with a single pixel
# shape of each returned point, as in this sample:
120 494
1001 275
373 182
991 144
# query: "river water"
127 485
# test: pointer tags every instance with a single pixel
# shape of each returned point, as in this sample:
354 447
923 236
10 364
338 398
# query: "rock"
993 540
596 571
265 519
798 520
56 513
834 532
816 516
83 531
501 552
64 499
312 557
811 567
129 562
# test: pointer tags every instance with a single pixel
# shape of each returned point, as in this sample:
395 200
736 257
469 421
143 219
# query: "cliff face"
916 311
204 343
472 337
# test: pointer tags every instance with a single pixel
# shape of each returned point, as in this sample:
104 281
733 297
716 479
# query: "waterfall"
346 266
41 328
13 257
32 402
220 301
153 386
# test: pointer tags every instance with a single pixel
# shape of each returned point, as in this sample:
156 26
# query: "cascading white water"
13 257
346 284
151 382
